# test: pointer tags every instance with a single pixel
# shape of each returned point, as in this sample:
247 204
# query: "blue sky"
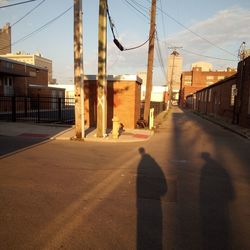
224 23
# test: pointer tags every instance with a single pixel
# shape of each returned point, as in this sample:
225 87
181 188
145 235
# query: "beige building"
34 59
5 39
174 70
205 66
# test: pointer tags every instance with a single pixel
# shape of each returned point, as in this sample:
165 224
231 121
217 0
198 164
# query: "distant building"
22 79
34 59
200 77
5 39
205 66
158 92
174 71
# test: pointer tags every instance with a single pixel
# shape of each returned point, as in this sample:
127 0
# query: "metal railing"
37 109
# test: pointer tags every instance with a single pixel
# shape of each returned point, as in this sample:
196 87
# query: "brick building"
5 39
228 99
34 59
199 77
174 70
21 79
123 100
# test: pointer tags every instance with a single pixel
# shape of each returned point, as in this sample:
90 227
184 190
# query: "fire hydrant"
116 127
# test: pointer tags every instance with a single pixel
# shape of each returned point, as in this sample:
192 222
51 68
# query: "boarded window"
209 95
210 77
233 94
249 102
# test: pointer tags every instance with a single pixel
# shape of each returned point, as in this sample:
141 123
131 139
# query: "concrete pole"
78 70
150 62
102 72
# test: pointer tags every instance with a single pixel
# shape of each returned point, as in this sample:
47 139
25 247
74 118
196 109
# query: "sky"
210 31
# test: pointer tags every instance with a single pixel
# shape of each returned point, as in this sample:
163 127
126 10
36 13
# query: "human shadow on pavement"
216 191
151 186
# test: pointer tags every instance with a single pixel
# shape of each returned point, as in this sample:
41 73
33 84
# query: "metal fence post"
59 101
38 108
25 106
13 99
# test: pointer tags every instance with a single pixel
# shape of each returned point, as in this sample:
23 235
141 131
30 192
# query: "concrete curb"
69 135
223 125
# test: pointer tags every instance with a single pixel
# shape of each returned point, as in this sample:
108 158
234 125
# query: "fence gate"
37 109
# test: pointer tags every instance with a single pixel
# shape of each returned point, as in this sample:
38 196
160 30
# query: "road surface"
186 188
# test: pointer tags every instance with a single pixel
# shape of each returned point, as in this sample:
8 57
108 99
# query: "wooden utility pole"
78 70
102 72
150 61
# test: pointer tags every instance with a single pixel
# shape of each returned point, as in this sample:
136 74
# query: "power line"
135 8
164 29
141 6
28 13
14 4
211 57
115 40
40 28
160 57
198 35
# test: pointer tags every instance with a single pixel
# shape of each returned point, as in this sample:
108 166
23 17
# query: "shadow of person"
151 186
216 191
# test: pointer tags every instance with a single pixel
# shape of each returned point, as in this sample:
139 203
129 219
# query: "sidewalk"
57 132
244 132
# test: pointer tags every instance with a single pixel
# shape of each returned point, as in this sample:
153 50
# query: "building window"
233 94
220 78
209 95
249 102
8 89
210 77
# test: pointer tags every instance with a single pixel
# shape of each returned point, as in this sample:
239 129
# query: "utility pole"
150 61
102 72
78 70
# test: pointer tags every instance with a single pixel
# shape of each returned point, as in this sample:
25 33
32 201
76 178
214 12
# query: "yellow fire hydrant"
116 127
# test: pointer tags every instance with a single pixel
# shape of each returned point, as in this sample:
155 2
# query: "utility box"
123 100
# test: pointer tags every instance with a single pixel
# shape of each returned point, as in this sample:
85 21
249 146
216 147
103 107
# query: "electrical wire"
14 4
194 33
115 40
139 11
160 57
211 57
40 28
141 6
28 13
164 29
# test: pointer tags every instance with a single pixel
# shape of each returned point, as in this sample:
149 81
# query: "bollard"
116 127
151 118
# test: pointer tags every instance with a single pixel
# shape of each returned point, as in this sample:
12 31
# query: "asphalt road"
186 188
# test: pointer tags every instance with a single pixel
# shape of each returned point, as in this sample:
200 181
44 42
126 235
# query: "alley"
185 188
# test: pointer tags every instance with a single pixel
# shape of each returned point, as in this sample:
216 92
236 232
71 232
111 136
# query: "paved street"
188 187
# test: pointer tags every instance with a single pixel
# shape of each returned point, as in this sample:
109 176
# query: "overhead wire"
160 57
116 41
139 11
193 32
30 11
14 4
163 28
207 56
40 28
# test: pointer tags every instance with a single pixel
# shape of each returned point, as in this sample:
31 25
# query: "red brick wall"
123 101
219 103
199 80
244 117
